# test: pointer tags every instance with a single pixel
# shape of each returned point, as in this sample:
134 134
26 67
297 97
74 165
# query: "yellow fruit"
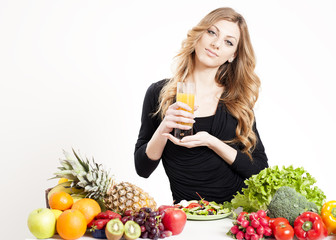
62 180
65 187
57 213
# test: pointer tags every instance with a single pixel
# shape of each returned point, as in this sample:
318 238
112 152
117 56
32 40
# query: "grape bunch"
251 226
149 221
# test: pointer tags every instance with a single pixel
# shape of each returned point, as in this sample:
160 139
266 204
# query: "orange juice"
185 92
189 99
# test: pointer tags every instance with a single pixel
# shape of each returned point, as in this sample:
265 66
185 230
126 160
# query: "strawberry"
112 215
99 224
102 215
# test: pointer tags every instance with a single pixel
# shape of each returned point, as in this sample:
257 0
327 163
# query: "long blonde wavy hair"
241 84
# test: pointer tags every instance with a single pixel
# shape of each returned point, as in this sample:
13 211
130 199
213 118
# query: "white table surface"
195 230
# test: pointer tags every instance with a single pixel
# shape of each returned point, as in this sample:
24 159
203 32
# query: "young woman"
225 149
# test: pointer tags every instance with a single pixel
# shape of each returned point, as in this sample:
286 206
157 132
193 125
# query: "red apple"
174 220
163 208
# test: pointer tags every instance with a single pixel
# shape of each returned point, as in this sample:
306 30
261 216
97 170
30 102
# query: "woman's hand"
197 140
175 116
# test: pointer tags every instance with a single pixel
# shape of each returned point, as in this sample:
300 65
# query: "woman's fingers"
182 119
179 113
178 105
172 124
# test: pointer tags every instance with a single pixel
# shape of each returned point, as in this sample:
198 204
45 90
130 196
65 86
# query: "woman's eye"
211 32
229 42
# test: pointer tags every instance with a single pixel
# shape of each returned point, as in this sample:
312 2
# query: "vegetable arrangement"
291 202
261 188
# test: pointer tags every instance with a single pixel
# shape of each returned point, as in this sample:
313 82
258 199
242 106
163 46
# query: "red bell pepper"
309 226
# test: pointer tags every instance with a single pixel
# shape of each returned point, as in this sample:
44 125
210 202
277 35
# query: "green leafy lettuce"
261 188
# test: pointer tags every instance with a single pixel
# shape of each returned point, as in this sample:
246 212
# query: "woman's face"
218 44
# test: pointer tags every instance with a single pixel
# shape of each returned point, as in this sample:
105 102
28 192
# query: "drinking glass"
185 93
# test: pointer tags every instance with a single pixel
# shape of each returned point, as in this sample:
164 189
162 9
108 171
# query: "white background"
73 74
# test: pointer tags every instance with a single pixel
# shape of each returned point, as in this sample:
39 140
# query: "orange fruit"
61 201
89 207
71 224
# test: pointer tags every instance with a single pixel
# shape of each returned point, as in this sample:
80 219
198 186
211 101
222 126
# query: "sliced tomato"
193 205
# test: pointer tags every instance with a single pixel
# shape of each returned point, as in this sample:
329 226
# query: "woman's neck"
205 80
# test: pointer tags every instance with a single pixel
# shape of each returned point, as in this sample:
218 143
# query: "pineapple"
96 183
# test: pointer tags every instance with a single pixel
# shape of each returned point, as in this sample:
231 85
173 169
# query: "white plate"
207 217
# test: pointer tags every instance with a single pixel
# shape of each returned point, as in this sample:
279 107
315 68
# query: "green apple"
41 223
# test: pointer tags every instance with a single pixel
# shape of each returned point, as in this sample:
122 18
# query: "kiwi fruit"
132 230
114 229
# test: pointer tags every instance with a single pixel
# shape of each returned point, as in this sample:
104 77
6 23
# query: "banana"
65 187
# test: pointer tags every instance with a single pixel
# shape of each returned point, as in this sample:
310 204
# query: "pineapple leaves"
86 174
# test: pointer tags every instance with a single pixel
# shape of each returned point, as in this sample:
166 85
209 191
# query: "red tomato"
276 221
193 205
283 231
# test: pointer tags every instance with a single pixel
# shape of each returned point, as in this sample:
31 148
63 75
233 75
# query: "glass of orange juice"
185 93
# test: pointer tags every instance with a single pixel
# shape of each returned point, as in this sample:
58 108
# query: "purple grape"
154 231
144 235
142 215
143 228
151 236
151 219
148 210
161 226
139 221
165 234
148 228
151 224
125 219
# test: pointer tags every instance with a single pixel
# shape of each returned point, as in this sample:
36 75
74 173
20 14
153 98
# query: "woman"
226 149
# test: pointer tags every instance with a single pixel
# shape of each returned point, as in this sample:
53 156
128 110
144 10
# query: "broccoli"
289 204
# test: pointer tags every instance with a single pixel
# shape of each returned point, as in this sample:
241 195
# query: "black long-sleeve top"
197 169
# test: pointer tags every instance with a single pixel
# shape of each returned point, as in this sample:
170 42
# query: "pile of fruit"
87 200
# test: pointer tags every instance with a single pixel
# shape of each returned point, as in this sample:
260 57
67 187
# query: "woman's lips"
211 53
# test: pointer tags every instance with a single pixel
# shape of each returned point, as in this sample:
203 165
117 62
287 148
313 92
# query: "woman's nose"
215 44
